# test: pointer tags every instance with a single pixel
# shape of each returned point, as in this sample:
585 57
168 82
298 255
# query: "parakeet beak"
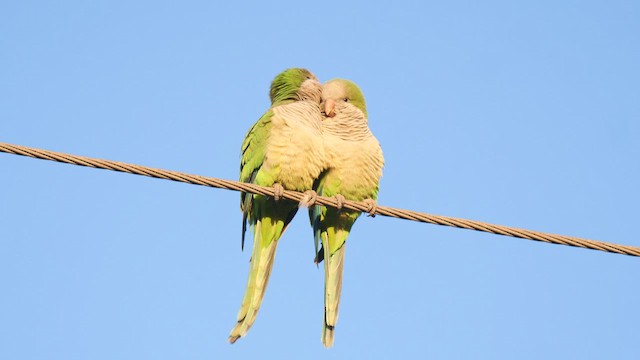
329 107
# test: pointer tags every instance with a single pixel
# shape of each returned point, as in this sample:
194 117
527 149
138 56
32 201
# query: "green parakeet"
354 167
283 149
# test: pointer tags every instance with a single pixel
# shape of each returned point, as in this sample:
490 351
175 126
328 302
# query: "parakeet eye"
346 99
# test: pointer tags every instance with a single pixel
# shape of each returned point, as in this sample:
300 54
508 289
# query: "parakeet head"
293 85
340 94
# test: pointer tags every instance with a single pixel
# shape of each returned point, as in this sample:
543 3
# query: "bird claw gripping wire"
339 201
278 191
372 206
308 199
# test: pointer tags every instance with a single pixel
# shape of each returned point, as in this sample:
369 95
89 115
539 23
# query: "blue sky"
518 114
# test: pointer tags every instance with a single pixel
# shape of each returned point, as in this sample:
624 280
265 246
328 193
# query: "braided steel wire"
300 197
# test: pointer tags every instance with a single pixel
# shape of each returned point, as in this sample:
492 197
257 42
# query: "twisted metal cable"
296 196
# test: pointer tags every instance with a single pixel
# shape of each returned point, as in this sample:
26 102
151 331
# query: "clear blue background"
518 114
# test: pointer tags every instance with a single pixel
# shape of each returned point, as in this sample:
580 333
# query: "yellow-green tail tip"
232 339
328 336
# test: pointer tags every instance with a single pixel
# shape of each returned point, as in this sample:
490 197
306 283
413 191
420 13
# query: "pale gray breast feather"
349 124
348 129
306 113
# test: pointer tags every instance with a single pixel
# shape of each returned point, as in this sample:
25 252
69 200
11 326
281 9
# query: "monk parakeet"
354 167
283 149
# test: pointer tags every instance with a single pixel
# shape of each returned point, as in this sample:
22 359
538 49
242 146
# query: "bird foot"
278 191
372 206
308 199
339 201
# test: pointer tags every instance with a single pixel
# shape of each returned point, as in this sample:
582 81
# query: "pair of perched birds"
315 139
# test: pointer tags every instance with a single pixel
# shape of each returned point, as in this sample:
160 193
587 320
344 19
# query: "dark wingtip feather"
244 230
319 256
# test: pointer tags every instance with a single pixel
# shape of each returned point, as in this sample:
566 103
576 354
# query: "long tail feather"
259 271
333 267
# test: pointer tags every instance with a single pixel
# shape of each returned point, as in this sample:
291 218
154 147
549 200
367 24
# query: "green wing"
253 153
